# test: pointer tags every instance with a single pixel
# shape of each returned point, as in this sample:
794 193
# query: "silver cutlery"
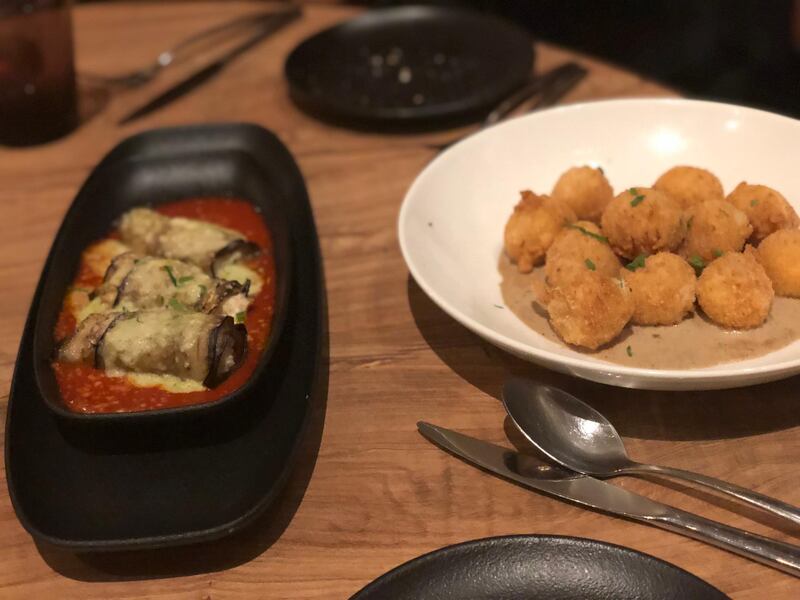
187 48
277 21
576 436
594 493
541 91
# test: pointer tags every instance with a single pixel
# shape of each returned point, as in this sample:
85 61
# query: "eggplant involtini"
204 244
134 282
172 308
187 345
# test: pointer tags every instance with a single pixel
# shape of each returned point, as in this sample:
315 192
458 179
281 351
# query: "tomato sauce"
89 390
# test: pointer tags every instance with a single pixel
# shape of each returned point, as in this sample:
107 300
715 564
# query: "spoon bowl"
566 430
576 436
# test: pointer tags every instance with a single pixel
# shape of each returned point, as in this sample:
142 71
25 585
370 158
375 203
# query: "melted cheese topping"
99 256
241 273
84 309
170 383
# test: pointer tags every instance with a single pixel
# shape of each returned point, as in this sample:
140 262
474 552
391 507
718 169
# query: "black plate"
176 481
418 65
529 567
115 187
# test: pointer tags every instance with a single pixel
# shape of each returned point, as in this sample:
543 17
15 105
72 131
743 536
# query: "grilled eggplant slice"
234 252
134 282
187 345
190 240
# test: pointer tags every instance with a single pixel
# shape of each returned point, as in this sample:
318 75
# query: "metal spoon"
579 438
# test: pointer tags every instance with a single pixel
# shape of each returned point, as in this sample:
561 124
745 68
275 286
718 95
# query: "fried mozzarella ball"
663 290
585 190
590 310
532 227
766 208
690 185
643 221
735 292
779 254
580 246
713 228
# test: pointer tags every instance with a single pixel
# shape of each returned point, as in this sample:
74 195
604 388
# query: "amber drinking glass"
38 98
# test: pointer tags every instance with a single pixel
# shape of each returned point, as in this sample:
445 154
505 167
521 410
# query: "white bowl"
451 222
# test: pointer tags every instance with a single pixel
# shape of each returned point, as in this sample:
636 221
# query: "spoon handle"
776 507
773 553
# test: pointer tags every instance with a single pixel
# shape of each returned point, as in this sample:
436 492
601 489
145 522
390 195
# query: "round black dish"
527 567
413 66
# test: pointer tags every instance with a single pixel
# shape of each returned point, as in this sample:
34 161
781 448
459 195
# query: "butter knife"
594 493
267 27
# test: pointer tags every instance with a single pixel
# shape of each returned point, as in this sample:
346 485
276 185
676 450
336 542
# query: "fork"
541 91
187 48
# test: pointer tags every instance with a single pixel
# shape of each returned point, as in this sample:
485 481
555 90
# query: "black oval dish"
410 66
117 186
525 567
161 482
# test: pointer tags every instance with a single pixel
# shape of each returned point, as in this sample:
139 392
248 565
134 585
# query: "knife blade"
183 87
538 475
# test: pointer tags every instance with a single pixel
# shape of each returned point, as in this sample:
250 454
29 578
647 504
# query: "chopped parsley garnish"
636 263
590 265
697 262
497 306
584 231
171 276
716 252
203 289
754 202
184 279
637 197
239 318
176 304
629 351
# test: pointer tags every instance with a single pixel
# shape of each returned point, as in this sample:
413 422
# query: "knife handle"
773 553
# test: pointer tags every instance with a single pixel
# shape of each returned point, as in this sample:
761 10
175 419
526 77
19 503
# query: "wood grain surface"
369 492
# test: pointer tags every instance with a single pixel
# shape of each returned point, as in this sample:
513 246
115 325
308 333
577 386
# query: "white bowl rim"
706 374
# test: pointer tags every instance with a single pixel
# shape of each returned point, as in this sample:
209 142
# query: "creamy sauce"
693 343
170 383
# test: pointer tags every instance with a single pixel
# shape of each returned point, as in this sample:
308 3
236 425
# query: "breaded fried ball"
663 289
690 185
713 228
591 310
779 254
532 227
585 190
643 221
580 245
766 208
735 292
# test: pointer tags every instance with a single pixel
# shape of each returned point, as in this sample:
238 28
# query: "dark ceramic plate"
410 65
116 186
530 567
167 481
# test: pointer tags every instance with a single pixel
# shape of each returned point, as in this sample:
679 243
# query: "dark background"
741 51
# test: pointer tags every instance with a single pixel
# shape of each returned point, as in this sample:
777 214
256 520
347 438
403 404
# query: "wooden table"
370 492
